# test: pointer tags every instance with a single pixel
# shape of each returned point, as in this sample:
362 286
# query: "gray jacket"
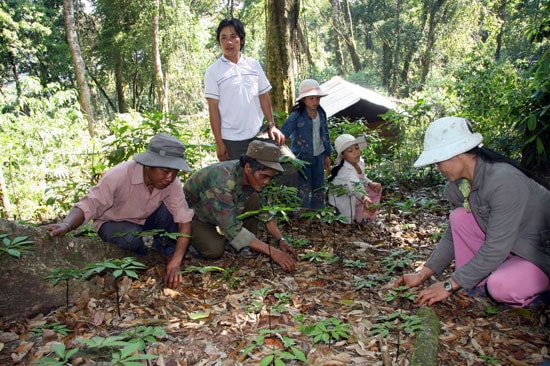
512 210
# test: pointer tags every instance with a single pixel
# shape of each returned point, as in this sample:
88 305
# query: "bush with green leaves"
14 247
327 331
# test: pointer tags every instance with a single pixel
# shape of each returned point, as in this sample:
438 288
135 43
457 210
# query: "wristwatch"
448 285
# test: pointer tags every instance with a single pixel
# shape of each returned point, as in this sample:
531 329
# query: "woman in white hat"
499 226
351 191
307 126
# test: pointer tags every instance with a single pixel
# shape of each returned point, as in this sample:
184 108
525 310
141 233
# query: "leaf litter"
213 316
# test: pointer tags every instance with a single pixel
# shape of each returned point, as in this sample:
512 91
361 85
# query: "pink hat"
308 88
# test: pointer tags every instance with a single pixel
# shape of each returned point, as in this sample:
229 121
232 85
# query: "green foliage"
494 114
395 322
284 348
369 281
117 267
398 259
63 274
327 330
15 247
132 133
56 327
63 356
125 348
319 257
400 292
46 120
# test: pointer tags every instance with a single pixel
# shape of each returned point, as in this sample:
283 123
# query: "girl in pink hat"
307 126
351 192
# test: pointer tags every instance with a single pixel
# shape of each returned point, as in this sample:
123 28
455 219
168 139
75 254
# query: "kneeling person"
221 192
137 196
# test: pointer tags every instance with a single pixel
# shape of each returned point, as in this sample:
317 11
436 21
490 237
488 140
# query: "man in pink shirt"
136 196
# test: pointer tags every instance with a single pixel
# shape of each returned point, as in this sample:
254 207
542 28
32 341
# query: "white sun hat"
308 88
445 138
344 141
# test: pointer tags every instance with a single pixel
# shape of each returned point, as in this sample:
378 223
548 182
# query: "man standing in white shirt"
236 89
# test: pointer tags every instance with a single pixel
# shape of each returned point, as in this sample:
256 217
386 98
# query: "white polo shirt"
237 87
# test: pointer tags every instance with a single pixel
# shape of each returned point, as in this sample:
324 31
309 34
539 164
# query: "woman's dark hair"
334 171
491 156
239 28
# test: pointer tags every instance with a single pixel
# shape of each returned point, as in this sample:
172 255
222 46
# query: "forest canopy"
84 84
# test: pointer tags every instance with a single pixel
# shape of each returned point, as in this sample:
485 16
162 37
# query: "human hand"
375 186
285 260
327 163
409 280
57 229
222 152
276 135
173 278
289 250
367 202
432 294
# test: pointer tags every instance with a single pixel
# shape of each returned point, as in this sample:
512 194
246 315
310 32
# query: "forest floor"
339 307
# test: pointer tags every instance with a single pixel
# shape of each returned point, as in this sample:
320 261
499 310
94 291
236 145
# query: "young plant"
395 322
326 331
353 264
56 327
402 292
16 247
123 351
398 259
318 258
63 356
282 352
265 214
324 216
118 268
64 274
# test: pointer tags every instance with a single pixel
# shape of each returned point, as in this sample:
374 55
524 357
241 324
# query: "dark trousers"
129 235
209 242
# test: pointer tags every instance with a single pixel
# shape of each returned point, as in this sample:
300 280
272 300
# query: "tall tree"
433 21
336 21
79 65
350 38
278 56
160 85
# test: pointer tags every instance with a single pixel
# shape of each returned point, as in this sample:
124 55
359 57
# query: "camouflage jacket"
217 195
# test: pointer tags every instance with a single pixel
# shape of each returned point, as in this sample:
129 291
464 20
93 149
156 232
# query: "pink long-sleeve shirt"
122 195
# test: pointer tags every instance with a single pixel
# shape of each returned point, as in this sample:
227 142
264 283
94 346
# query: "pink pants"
360 212
516 282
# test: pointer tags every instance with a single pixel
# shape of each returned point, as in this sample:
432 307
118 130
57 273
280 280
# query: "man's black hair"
239 28
255 166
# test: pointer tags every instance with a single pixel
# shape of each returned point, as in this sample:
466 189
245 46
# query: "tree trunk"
335 13
350 39
279 68
79 66
119 86
5 208
160 85
430 40
502 16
